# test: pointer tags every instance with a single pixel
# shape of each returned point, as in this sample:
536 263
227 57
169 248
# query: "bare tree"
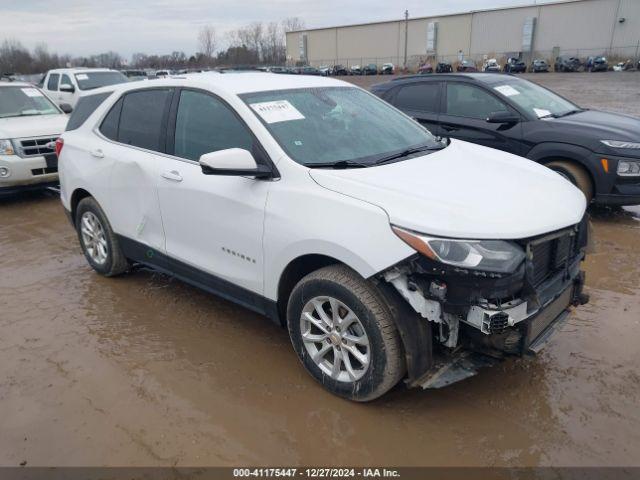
293 24
207 42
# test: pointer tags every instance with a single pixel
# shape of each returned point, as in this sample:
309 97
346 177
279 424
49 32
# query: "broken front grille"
35 147
549 255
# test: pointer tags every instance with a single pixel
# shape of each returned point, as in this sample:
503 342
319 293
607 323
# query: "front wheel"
344 334
576 175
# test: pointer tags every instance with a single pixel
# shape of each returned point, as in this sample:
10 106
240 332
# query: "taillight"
59 145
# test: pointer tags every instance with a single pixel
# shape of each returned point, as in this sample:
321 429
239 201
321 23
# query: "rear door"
51 85
464 116
421 101
136 128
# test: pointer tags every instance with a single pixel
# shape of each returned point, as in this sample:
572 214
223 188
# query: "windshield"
91 80
24 101
336 124
535 99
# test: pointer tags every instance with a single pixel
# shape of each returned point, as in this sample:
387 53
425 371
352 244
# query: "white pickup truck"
30 123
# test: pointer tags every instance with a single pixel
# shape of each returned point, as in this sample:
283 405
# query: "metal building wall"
583 28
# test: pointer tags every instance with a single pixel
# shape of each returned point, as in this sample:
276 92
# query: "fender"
552 150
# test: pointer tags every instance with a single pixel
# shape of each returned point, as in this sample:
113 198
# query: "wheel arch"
546 153
77 195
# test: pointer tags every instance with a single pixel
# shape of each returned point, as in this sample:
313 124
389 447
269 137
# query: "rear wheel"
97 239
344 334
576 175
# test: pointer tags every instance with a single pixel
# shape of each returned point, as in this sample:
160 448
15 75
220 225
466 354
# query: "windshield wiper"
337 165
570 112
407 152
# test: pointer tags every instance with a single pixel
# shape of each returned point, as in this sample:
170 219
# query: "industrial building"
570 27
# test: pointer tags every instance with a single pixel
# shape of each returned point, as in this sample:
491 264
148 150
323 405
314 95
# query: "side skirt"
156 260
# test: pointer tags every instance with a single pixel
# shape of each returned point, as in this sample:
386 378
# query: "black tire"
387 365
116 263
575 174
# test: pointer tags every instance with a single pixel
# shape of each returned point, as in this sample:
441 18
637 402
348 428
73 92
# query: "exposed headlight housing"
487 255
6 147
628 168
621 144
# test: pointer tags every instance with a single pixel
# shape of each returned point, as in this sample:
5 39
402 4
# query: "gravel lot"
146 370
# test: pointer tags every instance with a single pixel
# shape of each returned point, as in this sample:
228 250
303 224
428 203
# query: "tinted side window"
85 107
142 118
419 96
205 124
469 101
65 80
109 127
52 83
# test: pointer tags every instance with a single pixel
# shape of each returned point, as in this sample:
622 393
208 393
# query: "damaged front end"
487 300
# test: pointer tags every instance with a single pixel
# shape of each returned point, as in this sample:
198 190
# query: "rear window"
142 118
85 107
91 80
424 97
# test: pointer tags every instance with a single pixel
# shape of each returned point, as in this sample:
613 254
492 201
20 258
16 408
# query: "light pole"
406 36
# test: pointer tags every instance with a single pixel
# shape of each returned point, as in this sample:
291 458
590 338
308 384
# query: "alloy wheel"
94 238
335 339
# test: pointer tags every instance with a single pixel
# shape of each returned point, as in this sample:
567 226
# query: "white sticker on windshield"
278 111
541 112
32 92
507 90
82 76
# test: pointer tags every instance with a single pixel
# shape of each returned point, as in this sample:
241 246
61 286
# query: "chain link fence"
613 55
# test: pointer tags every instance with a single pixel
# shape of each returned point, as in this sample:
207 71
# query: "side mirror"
503 117
65 87
66 108
233 162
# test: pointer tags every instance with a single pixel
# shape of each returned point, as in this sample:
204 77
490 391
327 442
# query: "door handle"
173 175
97 153
449 128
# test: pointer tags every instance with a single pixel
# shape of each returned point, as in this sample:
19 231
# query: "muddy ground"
146 370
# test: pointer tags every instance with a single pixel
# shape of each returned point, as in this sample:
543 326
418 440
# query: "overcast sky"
81 27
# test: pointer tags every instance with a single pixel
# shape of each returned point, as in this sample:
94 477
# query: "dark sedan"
515 65
567 64
597 151
597 64
539 65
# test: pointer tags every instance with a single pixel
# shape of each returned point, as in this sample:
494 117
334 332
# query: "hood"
464 191
603 125
32 126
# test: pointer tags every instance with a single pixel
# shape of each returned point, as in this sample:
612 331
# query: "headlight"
489 255
6 148
621 144
628 168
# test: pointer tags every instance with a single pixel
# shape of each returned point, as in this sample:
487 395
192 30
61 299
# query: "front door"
465 113
213 224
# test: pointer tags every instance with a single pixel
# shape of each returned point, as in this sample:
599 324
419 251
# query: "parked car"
567 64
597 64
597 151
623 66
357 248
64 85
277 69
30 123
387 69
492 66
444 67
134 75
539 65
324 70
370 69
339 70
467 66
425 68
355 70
309 71
515 65
163 73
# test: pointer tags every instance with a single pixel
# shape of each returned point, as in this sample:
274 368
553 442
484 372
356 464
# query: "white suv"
386 252
30 123
65 85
